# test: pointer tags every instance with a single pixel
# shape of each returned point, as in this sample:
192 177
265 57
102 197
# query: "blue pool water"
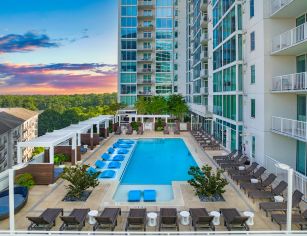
158 162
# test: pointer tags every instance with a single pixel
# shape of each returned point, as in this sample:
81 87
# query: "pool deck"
42 197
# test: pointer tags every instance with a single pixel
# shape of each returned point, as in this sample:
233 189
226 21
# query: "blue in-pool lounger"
126 141
150 195
134 195
114 165
122 151
100 164
92 170
118 158
107 174
106 156
111 150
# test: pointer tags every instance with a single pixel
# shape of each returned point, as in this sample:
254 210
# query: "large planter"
83 198
214 198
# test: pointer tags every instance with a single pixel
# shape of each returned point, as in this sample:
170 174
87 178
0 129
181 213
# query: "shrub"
135 125
79 180
25 179
205 182
159 125
59 159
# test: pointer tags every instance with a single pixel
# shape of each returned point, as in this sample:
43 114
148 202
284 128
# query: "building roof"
21 113
11 118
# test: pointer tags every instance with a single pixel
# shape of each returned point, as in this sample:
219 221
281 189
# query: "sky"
58 46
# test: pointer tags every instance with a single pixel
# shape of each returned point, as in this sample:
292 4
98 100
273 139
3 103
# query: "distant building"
16 125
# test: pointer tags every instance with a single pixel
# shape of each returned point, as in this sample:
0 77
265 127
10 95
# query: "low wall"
86 140
67 150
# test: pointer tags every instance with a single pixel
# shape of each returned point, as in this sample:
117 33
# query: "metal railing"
291 82
299 180
204 72
289 38
292 128
276 5
204 37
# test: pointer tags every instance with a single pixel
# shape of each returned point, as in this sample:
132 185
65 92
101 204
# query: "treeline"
59 111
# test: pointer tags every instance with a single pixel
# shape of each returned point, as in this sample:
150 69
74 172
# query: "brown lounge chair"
201 219
168 218
231 160
107 219
259 186
46 220
75 220
118 130
165 130
136 219
247 171
140 130
240 162
245 178
130 130
233 219
225 157
258 194
282 206
297 219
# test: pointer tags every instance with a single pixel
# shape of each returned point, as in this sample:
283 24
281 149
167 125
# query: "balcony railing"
204 73
146 93
145 3
204 37
145 59
290 83
204 90
276 5
290 38
145 70
145 81
291 128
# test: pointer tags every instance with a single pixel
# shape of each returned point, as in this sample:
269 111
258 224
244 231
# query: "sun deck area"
43 197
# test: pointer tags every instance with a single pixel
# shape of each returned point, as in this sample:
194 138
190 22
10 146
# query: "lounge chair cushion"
150 195
114 165
122 151
118 158
111 150
106 156
92 170
107 174
134 195
100 164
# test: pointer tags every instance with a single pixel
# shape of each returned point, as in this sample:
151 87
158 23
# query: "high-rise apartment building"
148 32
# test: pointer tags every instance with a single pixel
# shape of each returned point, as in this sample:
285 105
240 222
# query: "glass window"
251 8
252 41
253 74
253 108
253 153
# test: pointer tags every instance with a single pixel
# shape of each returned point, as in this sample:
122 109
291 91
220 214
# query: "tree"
205 182
79 179
157 105
177 106
141 105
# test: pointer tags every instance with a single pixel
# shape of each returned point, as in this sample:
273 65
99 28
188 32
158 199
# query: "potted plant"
25 180
79 182
208 186
59 159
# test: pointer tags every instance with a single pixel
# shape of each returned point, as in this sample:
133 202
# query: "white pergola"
142 117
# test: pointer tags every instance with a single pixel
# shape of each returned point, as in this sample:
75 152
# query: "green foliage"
159 125
25 179
135 125
37 150
205 182
59 159
63 110
79 180
174 105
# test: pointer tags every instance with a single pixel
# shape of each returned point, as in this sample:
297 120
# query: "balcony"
145 59
204 73
204 56
145 71
201 110
287 8
204 90
291 83
204 38
204 21
145 27
16 136
292 42
290 128
145 5
204 5
145 49
142 38
145 93
145 82
145 16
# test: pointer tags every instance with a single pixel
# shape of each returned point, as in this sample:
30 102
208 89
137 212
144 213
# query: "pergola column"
51 154
91 138
106 125
98 128
73 151
19 154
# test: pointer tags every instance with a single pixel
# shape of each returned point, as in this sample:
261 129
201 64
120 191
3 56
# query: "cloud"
25 43
60 78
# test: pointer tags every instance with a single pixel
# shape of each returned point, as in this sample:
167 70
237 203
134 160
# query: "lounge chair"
165 130
140 130
107 174
122 151
149 195
269 207
259 186
100 164
231 160
130 130
91 170
46 220
240 162
245 178
118 157
201 219
136 219
225 157
168 218
233 219
114 165
75 220
111 150
134 195
106 157
125 141
258 194
250 169
297 219
118 130
107 219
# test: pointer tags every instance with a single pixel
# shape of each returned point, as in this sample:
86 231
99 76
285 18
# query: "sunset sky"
58 46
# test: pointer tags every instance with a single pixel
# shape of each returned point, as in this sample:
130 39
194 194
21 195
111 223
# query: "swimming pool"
156 162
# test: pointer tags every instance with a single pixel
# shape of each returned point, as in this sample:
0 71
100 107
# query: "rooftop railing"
289 38
291 128
291 82
276 5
